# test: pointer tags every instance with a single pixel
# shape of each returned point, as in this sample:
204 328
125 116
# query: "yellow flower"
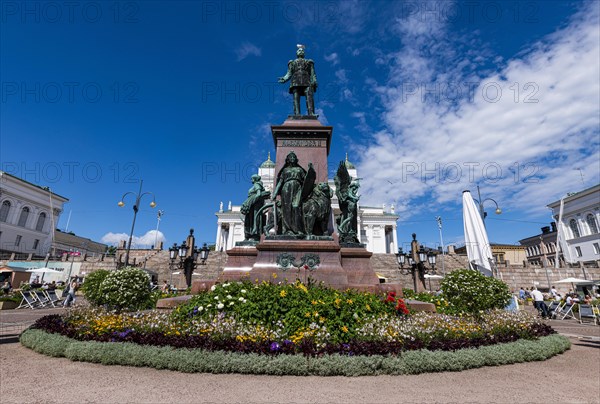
307 314
349 301
368 308
274 275
316 314
314 302
282 293
344 329
301 287
321 319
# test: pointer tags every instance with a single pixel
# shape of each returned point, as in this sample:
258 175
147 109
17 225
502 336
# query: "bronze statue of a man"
303 78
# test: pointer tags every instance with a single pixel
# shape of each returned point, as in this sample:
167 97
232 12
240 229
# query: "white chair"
566 311
586 312
27 301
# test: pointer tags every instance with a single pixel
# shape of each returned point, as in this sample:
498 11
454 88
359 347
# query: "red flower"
391 297
401 307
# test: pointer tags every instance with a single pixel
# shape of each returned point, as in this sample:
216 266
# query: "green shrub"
92 287
470 291
195 360
11 298
126 289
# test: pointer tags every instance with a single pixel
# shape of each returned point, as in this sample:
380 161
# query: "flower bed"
293 319
197 360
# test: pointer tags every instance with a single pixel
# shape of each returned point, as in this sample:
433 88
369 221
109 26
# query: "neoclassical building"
377 224
580 225
28 215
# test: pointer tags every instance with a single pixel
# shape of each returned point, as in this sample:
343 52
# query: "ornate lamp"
204 254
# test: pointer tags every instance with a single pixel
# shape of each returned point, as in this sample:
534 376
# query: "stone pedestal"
240 263
308 138
329 270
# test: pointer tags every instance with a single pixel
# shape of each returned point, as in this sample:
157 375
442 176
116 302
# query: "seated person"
165 287
6 287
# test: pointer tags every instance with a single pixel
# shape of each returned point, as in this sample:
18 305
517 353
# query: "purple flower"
274 347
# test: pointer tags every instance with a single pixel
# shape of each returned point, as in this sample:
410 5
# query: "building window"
578 251
18 240
591 221
4 211
23 217
596 248
40 222
36 242
574 228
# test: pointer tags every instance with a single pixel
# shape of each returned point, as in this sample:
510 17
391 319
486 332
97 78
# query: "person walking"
538 302
70 300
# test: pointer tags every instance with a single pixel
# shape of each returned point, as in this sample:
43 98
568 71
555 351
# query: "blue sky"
427 99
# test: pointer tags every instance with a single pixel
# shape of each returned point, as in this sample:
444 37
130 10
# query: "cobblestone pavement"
26 376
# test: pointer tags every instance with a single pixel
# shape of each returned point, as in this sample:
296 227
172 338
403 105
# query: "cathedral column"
219 241
230 236
370 237
395 236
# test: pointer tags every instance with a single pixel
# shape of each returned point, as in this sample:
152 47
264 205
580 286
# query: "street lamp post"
438 219
160 213
416 262
480 203
136 207
187 259
172 254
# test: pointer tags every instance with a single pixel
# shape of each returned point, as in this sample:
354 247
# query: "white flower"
216 297
213 287
225 285
220 306
229 297
231 303
243 290
200 308
241 299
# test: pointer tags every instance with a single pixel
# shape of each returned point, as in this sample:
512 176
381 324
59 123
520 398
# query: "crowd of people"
539 298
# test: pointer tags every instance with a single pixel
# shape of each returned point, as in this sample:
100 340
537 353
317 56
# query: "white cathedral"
377 224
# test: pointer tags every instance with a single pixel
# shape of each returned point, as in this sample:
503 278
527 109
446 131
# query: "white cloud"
247 49
333 58
146 240
502 131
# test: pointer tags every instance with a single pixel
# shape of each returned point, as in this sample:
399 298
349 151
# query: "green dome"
349 165
268 163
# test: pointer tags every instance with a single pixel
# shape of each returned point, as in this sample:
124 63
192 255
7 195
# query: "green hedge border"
195 360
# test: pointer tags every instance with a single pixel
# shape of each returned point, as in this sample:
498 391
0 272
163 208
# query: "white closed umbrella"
477 244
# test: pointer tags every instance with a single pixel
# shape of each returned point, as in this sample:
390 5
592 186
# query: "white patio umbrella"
43 271
430 277
573 281
477 245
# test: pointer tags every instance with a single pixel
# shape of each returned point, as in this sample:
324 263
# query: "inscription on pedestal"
300 143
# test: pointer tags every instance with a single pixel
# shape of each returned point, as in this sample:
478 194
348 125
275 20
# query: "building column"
218 241
395 236
370 237
230 236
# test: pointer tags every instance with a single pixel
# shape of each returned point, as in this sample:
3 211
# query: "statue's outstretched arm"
288 75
